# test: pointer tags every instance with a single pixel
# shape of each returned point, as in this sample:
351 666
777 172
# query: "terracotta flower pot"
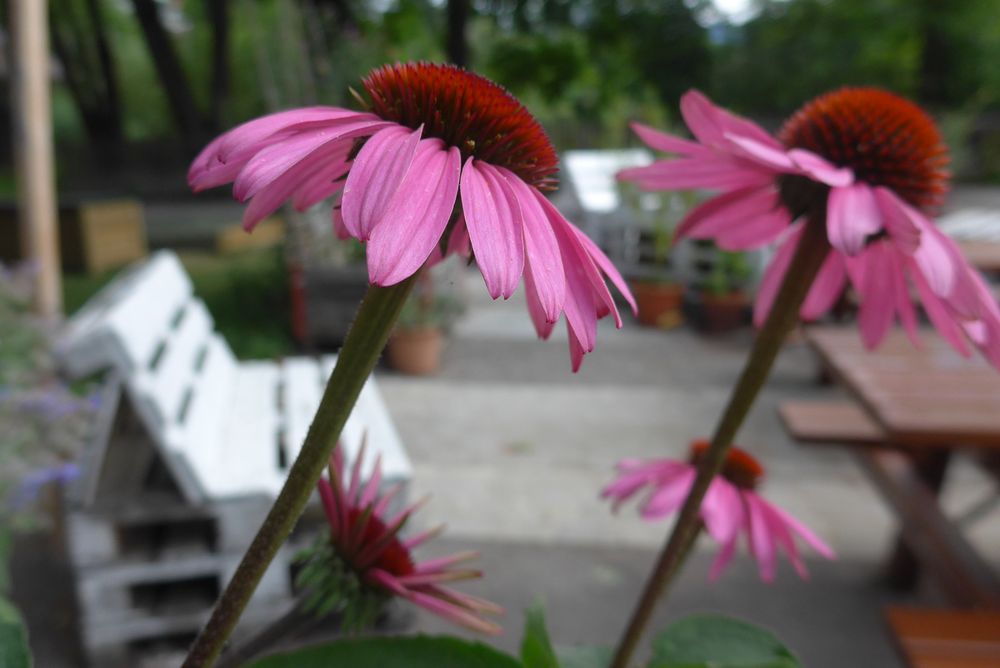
659 303
416 352
723 313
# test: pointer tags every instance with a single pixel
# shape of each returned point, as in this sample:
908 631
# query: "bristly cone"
885 139
467 111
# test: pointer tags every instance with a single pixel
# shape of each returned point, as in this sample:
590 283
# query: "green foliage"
14 652
585 657
715 641
330 585
536 648
413 652
729 274
246 293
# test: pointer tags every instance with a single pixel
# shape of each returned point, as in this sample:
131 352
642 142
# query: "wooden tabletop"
984 255
929 396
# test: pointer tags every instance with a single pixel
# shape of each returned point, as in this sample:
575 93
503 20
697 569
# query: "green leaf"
582 656
715 641
14 651
536 648
409 652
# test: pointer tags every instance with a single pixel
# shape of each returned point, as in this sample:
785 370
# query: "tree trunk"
170 72
458 46
218 15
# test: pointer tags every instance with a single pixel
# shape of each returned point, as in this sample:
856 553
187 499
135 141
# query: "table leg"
903 570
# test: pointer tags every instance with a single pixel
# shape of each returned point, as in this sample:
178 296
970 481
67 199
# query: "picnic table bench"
912 409
190 448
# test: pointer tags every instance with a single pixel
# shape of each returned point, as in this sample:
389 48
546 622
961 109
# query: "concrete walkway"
514 449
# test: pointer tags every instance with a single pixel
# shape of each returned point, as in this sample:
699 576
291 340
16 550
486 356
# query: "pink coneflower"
731 506
870 163
368 553
433 135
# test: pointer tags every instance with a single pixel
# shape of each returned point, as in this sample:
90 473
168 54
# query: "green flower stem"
812 250
365 341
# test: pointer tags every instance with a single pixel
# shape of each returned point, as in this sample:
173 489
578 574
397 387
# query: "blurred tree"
796 49
79 39
188 119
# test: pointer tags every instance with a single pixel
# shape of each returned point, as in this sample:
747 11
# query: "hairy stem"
364 344
812 250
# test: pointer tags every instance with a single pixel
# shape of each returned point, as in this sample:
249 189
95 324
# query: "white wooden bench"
226 428
191 446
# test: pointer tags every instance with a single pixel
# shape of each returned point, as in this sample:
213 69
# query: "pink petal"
493 218
576 348
722 559
767 155
761 540
669 495
378 171
818 169
775 274
666 143
417 216
826 288
267 200
710 123
605 265
804 532
937 261
727 211
783 538
539 315
722 511
901 295
339 229
719 172
754 232
323 183
274 160
251 134
874 286
330 506
544 269
852 215
442 563
459 242
938 313
901 221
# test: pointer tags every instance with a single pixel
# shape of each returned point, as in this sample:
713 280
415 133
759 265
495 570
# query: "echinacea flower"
869 163
367 557
731 507
432 136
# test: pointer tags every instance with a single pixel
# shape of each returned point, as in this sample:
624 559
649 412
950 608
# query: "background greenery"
585 67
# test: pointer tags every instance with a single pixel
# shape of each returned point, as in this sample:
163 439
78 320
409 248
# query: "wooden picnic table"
928 397
984 255
928 402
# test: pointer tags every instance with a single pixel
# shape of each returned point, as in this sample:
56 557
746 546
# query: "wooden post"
33 141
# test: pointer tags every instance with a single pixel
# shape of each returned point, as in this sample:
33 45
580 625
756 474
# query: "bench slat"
829 423
946 638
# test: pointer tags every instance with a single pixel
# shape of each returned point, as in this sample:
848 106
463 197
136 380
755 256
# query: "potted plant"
418 339
658 295
724 303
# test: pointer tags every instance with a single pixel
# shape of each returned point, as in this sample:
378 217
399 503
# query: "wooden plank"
33 144
300 378
829 422
170 380
961 573
249 453
946 638
918 396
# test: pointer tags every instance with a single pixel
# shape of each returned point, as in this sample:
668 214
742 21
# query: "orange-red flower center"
739 468
395 558
885 139
467 111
